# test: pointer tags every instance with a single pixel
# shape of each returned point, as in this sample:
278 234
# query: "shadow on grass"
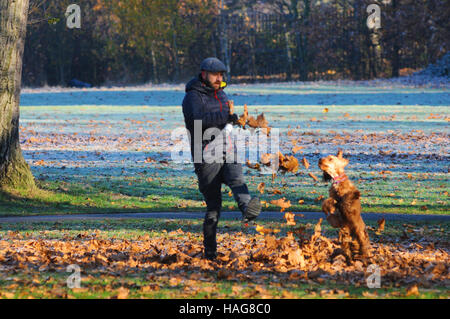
17 205
164 199
68 192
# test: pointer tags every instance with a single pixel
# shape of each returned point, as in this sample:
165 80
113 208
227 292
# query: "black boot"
209 233
210 255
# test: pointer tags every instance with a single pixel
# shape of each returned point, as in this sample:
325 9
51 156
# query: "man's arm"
192 109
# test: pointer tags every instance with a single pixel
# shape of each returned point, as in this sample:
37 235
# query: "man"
206 103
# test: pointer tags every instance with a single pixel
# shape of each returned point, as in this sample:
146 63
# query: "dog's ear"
346 161
341 158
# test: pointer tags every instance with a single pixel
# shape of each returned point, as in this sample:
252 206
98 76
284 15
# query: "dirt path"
224 215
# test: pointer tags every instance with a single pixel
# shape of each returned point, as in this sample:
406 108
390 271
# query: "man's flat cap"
213 65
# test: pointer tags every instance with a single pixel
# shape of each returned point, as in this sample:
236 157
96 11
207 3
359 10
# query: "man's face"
213 78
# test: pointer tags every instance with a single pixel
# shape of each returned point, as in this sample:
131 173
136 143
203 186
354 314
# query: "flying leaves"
288 163
262 230
261 187
282 203
314 177
290 219
305 163
260 121
381 222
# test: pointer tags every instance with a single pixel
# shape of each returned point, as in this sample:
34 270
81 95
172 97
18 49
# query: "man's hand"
231 106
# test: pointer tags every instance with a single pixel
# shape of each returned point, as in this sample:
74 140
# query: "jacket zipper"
215 94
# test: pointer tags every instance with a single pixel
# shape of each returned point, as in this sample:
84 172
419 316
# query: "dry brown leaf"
295 258
122 293
262 230
261 187
243 118
262 123
270 242
276 191
223 274
318 228
263 202
412 291
288 163
314 177
253 166
319 198
305 163
259 122
282 202
266 158
41 163
252 122
296 148
290 219
381 222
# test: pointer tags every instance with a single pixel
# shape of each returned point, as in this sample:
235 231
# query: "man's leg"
232 176
210 183
213 198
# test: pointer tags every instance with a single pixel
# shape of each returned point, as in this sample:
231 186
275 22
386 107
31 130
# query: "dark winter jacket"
204 103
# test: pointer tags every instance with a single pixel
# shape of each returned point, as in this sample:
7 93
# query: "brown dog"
343 207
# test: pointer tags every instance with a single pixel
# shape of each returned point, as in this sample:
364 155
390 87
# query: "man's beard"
213 85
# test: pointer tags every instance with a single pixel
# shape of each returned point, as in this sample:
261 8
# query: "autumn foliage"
299 256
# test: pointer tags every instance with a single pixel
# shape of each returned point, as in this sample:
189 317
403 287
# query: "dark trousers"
210 179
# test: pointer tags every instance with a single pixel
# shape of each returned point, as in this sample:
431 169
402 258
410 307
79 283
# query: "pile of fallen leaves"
295 257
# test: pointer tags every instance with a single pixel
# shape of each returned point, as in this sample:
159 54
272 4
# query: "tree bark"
356 43
396 46
14 170
288 55
155 69
302 24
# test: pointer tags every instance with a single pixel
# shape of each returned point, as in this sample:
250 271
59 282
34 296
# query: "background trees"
14 171
164 41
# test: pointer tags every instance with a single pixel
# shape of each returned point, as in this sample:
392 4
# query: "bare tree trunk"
155 70
302 23
224 43
376 52
396 47
356 44
252 44
175 50
14 170
288 55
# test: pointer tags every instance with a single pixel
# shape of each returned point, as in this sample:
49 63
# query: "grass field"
109 151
